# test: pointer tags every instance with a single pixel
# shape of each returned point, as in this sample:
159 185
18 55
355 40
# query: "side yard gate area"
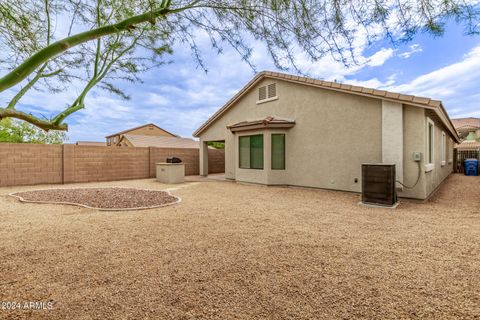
459 157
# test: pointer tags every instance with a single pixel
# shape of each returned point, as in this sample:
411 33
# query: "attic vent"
272 90
267 92
262 93
150 127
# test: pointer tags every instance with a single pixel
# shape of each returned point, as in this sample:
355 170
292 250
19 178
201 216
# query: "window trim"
240 153
429 166
444 148
284 151
250 152
267 100
450 150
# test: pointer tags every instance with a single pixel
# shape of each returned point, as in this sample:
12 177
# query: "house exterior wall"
392 137
334 134
149 131
142 131
414 122
347 126
435 177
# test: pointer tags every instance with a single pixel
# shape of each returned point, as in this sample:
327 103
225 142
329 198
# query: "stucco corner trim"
429 167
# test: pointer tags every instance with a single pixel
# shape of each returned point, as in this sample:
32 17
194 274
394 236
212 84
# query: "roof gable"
140 127
160 141
422 102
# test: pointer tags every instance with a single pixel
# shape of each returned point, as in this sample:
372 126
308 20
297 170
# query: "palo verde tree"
55 44
17 131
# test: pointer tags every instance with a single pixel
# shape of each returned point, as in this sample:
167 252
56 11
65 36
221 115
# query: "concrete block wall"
216 160
92 163
28 164
31 164
189 158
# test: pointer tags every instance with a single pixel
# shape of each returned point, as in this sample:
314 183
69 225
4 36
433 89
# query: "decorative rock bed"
113 199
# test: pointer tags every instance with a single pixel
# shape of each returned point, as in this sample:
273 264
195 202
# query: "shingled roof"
357 90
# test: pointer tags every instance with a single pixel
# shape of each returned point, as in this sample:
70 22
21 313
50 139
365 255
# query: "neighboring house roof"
268 122
160 141
423 102
464 124
468 145
90 143
139 127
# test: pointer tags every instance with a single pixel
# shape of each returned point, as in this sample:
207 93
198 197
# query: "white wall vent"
272 90
267 93
262 93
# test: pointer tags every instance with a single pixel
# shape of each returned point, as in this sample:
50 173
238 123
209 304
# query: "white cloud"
447 81
414 48
379 57
455 84
329 69
157 99
374 82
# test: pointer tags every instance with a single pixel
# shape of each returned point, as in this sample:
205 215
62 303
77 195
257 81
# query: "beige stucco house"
148 129
288 130
133 140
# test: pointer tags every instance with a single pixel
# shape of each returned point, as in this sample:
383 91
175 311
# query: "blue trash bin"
471 167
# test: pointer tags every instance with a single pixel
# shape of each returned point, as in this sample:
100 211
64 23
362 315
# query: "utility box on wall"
378 184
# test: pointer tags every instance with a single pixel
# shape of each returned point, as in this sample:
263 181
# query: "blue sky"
180 97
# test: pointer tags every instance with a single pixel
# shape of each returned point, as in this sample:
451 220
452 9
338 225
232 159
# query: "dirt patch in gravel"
101 198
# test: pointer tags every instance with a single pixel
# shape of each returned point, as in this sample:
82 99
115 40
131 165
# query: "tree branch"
28 66
97 53
27 87
39 74
79 103
42 124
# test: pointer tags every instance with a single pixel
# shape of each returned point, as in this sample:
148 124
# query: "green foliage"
216 144
86 44
15 131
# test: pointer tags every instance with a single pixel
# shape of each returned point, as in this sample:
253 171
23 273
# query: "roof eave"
422 102
135 128
258 126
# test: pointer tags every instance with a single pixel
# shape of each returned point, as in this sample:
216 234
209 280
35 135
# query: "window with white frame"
430 159
450 150
444 148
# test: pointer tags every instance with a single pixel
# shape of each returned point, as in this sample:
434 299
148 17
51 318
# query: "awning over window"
266 123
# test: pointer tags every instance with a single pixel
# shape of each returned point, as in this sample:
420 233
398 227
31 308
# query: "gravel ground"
102 198
233 251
